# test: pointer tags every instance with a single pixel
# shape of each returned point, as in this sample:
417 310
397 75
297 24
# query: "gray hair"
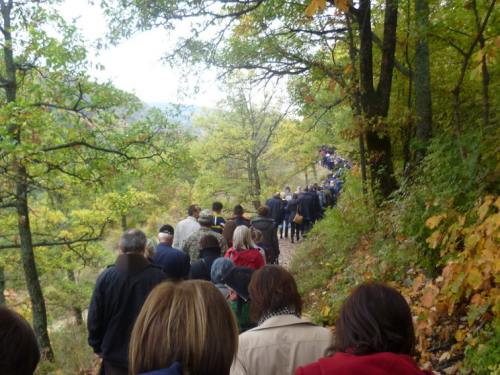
220 268
164 236
150 249
133 241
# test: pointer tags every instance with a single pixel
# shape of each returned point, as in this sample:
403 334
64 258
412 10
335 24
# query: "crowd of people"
220 304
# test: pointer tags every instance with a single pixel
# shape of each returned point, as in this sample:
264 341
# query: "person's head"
133 241
238 210
242 239
194 211
189 322
263 211
375 318
299 189
271 289
287 189
150 249
209 246
217 207
282 195
306 189
332 183
19 352
206 218
220 268
295 196
256 235
166 234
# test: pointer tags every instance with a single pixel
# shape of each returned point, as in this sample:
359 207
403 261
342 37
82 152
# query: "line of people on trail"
309 204
189 328
220 306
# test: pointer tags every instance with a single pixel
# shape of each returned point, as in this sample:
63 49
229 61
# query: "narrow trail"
287 250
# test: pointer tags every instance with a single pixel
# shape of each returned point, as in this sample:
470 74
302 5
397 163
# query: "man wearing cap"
191 244
187 226
174 263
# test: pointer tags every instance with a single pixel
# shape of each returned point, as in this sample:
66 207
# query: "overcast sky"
134 65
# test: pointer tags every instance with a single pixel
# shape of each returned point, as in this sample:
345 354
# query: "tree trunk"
375 104
254 179
124 222
30 271
3 302
27 255
77 310
315 172
423 99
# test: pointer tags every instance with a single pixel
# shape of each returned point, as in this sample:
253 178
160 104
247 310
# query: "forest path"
287 250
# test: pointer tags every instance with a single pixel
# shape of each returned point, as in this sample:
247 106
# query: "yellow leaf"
347 69
460 336
313 7
326 311
444 356
475 278
434 221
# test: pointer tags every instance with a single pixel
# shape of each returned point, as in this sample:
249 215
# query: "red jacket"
373 364
248 258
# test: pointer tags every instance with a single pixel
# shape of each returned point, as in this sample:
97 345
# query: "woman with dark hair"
237 281
269 232
209 251
282 341
292 209
184 327
374 335
19 353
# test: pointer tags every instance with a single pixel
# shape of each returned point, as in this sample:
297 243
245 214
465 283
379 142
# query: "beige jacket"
280 345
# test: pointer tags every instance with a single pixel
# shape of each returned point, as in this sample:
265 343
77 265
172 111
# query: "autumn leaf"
434 221
308 98
313 7
428 298
342 5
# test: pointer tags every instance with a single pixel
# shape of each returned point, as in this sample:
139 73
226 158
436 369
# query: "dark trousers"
296 228
306 225
110 369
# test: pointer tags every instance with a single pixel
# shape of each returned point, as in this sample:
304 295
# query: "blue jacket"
175 369
175 263
276 209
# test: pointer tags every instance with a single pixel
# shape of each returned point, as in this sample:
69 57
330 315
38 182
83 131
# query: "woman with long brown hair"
185 328
374 335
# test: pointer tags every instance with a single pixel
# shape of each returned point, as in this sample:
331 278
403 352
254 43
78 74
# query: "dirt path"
287 250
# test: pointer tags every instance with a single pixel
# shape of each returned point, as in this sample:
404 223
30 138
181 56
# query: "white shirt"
184 229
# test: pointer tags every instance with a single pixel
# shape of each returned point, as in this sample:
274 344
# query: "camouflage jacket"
191 244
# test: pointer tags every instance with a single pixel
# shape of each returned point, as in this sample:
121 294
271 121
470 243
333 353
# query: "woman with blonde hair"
184 328
244 251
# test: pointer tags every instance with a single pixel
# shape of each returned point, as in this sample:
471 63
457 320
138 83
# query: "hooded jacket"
249 258
119 293
372 364
269 235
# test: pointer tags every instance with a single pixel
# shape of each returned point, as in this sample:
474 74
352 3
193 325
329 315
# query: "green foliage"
483 351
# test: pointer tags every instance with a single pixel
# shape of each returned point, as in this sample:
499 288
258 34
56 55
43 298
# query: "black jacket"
292 207
202 268
276 209
269 234
119 293
307 206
